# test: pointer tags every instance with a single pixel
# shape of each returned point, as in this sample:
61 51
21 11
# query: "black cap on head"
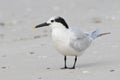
62 21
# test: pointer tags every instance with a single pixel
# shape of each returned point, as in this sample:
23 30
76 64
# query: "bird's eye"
52 20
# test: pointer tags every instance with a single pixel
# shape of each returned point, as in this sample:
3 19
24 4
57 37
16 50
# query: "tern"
69 41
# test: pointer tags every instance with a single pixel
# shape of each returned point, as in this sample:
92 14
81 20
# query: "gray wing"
80 41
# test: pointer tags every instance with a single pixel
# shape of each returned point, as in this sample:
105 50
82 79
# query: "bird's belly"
65 49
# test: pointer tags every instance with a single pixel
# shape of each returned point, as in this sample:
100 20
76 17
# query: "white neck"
59 31
58 26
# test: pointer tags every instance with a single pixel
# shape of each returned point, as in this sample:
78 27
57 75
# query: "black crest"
62 21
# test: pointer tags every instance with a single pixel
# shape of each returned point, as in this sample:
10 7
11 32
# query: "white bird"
68 41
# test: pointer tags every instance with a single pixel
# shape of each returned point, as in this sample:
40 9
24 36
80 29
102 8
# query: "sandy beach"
28 54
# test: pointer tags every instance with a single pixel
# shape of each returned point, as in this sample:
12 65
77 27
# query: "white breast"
61 40
67 42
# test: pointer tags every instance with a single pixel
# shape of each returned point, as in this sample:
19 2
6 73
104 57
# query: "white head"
54 22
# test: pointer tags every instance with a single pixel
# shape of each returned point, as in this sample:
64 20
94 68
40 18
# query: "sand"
27 54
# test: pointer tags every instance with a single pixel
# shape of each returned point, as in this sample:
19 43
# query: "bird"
69 41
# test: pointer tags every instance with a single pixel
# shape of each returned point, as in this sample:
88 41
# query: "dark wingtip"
103 34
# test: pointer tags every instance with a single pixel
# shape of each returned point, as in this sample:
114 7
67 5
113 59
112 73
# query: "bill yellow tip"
33 27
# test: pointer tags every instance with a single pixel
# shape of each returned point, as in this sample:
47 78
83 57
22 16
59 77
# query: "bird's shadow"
94 64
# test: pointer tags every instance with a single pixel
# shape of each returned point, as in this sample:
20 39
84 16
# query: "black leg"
65 66
65 58
74 63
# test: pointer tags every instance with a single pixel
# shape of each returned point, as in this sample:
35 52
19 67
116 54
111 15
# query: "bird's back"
81 41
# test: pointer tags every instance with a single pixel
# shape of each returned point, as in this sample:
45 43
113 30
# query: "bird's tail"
95 34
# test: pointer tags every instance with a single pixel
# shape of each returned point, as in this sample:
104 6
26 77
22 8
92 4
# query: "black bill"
42 25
